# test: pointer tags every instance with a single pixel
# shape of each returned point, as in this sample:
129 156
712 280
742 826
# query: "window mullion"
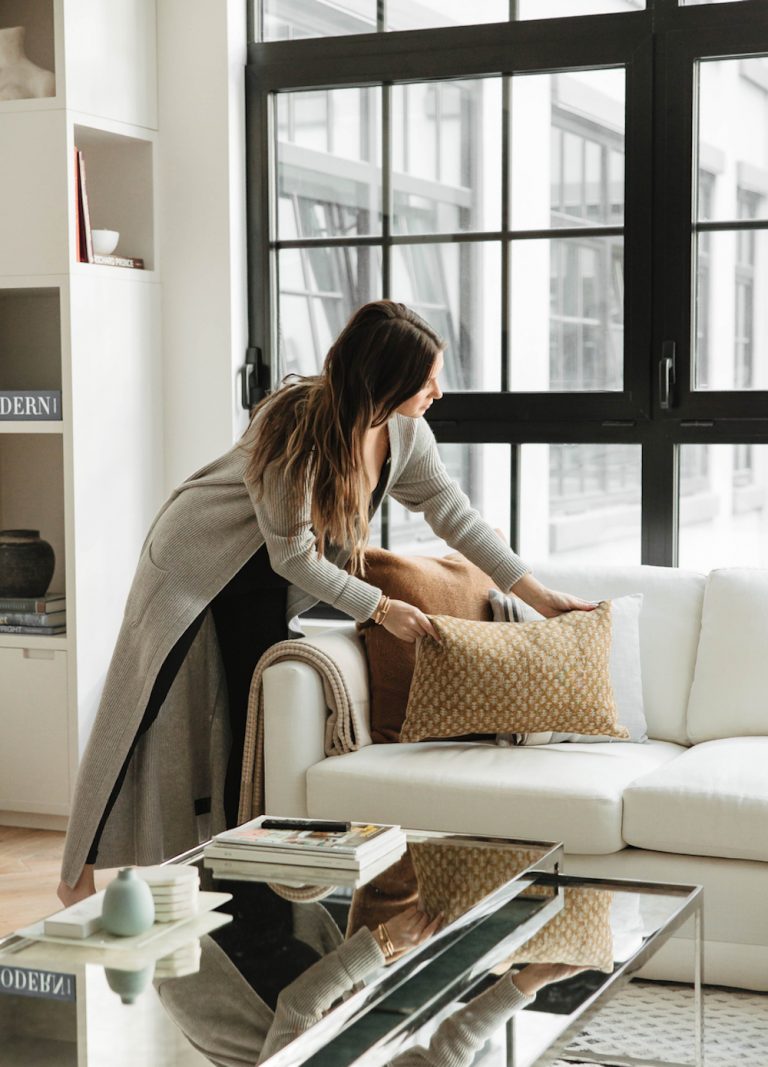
386 189
506 193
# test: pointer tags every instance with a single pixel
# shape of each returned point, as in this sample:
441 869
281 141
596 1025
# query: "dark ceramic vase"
26 563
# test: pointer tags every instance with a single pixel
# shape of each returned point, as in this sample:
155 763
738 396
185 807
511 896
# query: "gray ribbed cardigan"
207 530
226 1020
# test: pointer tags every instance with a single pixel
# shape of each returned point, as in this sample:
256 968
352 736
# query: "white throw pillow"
626 675
728 695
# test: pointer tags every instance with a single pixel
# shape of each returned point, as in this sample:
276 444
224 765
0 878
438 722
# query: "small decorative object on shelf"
104 241
128 905
27 564
20 78
30 405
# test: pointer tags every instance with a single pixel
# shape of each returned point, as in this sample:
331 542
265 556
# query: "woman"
242 547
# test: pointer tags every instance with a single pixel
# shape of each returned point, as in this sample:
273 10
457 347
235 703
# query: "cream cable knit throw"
342 729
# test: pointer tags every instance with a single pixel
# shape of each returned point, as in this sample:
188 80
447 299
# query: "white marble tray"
102 940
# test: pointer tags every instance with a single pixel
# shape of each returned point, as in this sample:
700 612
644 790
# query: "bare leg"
84 887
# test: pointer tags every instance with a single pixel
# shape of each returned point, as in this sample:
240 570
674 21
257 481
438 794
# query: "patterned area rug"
655 1020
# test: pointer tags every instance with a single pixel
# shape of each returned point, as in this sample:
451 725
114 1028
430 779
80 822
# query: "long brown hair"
315 426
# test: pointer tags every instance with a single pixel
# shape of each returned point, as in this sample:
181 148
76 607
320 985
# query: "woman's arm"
307 999
293 554
457 1040
426 486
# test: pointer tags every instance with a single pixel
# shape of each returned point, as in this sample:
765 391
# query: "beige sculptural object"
20 78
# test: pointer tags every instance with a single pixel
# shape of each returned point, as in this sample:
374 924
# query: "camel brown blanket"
345 729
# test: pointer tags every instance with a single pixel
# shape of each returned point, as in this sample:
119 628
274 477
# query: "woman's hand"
408 622
548 602
536 975
409 928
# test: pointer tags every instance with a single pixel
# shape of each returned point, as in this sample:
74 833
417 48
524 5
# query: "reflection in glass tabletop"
276 973
596 940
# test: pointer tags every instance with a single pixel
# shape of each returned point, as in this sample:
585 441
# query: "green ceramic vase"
129 908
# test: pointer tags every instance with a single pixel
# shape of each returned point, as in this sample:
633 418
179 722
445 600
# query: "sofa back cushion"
448 586
670 621
728 696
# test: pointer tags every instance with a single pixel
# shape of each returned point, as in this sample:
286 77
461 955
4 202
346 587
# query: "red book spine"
80 233
86 213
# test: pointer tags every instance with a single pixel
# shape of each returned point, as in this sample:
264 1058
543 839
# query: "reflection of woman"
279 968
244 544
459 1037
274 972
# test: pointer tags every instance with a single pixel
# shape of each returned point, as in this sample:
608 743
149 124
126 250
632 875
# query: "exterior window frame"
659 47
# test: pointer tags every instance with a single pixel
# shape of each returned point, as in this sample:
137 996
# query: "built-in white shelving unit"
92 481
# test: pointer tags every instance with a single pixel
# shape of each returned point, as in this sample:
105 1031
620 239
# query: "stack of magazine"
304 851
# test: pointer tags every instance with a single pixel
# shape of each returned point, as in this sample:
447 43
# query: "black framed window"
526 186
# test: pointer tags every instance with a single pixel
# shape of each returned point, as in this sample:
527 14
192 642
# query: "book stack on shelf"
85 249
42 616
304 851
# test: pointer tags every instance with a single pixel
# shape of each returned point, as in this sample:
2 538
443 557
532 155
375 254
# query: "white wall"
202 234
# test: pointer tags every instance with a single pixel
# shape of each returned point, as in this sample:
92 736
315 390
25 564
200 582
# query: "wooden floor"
29 874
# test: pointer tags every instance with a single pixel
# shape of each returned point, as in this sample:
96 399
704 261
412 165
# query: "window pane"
328 163
567 315
580 502
286 19
446 156
723 506
483 472
735 151
583 155
457 289
405 15
319 290
555 9
731 315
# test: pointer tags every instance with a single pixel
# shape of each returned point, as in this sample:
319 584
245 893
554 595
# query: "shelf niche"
32 491
119 184
30 339
36 16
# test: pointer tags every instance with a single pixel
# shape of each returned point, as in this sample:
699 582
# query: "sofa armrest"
295 713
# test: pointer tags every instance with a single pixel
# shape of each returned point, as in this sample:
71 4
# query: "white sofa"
689 805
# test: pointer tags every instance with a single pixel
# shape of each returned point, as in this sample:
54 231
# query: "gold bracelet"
386 941
382 608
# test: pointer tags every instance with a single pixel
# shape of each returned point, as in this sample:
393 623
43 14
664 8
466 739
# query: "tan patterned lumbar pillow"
453 876
580 935
490 677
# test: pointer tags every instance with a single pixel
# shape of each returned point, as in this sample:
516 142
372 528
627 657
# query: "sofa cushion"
439 586
712 801
569 792
669 630
728 696
486 677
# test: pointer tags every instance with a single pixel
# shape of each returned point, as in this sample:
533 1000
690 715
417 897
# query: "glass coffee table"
269 979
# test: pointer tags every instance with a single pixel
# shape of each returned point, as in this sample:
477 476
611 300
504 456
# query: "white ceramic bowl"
105 241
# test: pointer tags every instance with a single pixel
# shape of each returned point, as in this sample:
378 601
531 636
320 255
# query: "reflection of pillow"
624 666
453 876
448 586
489 677
579 935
